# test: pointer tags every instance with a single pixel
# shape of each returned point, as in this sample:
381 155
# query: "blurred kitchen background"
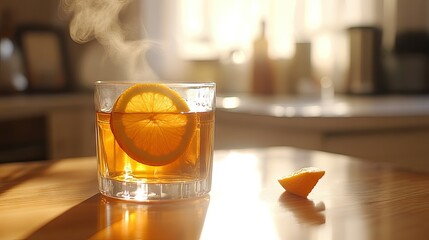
343 76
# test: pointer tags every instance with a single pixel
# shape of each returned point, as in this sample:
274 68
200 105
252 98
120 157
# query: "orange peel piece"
302 181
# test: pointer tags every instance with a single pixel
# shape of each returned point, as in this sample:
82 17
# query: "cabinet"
23 139
39 127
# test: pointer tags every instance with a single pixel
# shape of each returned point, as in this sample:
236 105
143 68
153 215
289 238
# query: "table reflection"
173 220
104 218
304 210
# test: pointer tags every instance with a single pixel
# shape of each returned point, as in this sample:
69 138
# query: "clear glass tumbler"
154 140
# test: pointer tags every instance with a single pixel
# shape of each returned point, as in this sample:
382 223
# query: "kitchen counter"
64 122
21 106
339 106
383 128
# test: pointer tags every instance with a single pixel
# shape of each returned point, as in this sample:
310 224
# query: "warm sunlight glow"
312 111
322 53
195 19
225 26
280 111
280 28
231 102
341 108
243 169
238 57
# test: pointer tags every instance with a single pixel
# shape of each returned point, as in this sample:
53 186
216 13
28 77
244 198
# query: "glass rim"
169 84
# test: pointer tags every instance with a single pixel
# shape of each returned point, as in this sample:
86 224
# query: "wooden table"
355 199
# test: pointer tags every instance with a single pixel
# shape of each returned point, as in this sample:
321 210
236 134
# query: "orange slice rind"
152 123
302 181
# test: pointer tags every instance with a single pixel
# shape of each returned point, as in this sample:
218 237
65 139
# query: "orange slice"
302 181
152 123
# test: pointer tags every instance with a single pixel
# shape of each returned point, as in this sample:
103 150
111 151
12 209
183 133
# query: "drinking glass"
148 150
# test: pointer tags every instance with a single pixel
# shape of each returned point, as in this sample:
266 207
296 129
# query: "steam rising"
99 19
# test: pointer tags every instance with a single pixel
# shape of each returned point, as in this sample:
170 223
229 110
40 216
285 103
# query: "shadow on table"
21 173
304 210
104 218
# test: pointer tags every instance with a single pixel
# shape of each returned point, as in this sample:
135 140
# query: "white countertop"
339 106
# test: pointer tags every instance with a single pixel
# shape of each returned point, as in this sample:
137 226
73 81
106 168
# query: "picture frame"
45 59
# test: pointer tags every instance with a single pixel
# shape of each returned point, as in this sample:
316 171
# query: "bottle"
365 74
262 78
302 80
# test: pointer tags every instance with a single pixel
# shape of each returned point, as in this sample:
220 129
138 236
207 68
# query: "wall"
89 61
